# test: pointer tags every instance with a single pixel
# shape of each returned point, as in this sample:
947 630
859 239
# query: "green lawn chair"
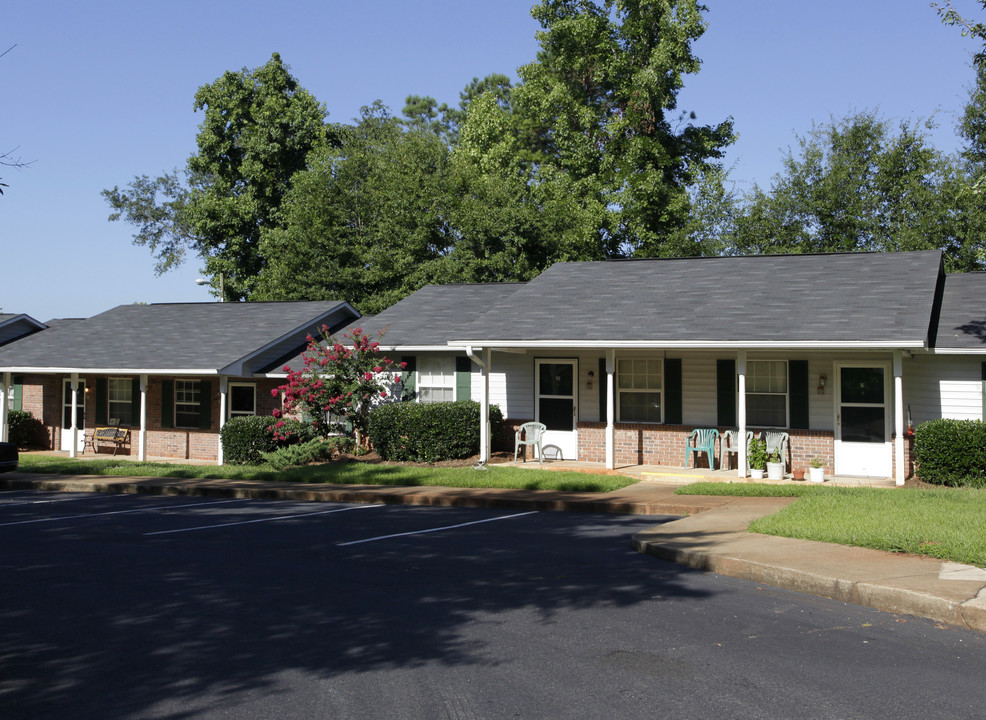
702 440
532 432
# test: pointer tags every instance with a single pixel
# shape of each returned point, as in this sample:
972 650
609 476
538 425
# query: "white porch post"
484 407
898 418
143 419
610 411
223 391
74 428
4 400
741 412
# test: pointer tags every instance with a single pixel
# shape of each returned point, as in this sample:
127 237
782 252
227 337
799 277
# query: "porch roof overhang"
822 345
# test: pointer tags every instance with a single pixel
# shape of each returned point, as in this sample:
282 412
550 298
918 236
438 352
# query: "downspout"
898 418
4 395
223 390
741 412
484 402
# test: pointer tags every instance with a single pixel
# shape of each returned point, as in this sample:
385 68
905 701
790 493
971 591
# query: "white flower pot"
756 473
816 474
775 471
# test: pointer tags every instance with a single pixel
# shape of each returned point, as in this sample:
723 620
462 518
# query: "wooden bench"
115 436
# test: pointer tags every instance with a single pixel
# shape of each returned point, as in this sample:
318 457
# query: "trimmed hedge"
245 438
25 430
429 432
951 452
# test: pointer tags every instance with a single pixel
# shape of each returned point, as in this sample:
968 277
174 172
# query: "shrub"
245 438
429 432
307 452
25 430
951 452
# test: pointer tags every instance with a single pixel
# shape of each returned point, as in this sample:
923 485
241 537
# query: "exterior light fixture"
822 379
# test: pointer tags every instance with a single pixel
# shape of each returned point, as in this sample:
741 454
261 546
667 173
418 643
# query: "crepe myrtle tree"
346 378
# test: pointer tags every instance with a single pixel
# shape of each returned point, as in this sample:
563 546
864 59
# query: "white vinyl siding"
943 386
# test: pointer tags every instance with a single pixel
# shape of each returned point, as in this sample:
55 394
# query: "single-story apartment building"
622 359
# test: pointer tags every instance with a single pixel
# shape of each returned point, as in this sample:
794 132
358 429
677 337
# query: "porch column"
4 400
223 392
484 359
484 406
142 456
898 418
610 411
74 428
741 412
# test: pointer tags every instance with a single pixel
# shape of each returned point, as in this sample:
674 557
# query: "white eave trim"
696 344
959 351
109 371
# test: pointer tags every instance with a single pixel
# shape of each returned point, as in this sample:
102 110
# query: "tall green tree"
258 130
598 109
858 184
366 222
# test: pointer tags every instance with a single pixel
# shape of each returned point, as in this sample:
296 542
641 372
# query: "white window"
188 394
436 379
119 400
639 389
766 393
242 399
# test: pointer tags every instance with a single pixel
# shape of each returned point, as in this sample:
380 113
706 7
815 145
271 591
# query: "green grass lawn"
340 473
945 523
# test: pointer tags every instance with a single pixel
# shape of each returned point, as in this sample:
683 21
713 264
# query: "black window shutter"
167 403
797 372
672 391
463 378
603 386
205 405
726 392
408 377
135 402
102 398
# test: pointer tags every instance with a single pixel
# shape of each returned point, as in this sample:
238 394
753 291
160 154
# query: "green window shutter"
102 397
797 378
463 378
602 389
205 405
19 392
409 377
672 391
135 402
167 403
726 393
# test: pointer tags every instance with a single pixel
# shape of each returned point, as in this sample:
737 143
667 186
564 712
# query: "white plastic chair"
532 432
730 446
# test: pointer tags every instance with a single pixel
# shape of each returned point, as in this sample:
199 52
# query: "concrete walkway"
711 535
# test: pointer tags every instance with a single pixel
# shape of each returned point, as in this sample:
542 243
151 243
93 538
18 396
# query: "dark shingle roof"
962 323
825 299
176 337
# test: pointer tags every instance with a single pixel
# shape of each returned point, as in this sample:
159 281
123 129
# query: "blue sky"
96 93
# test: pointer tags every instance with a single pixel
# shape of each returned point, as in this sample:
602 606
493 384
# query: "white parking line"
260 520
119 512
431 530
16 503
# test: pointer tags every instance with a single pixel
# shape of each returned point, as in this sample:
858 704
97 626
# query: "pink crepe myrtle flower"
378 369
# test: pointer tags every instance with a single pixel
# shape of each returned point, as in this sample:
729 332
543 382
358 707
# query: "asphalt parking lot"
128 606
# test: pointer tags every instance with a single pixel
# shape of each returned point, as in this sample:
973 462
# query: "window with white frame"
188 396
436 379
119 400
639 390
242 399
766 393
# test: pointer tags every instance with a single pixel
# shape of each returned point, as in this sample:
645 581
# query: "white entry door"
862 424
556 405
80 417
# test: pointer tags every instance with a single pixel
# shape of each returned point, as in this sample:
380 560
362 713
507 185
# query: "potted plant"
816 473
775 466
757 458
